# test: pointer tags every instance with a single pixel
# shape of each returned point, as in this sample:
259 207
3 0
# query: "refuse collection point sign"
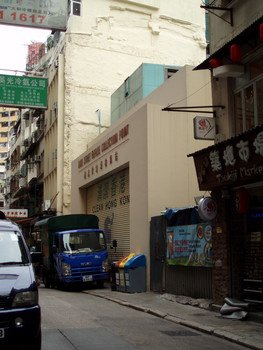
23 91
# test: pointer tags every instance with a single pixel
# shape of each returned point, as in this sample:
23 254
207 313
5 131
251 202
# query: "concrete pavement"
193 313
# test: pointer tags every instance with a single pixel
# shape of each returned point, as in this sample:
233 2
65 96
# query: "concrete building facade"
104 43
139 166
232 169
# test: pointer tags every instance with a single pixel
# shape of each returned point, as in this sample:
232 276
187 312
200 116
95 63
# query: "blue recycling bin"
135 274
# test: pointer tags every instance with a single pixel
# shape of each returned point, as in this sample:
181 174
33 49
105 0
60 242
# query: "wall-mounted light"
215 62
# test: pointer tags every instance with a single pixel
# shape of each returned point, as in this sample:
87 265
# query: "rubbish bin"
135 274
120 273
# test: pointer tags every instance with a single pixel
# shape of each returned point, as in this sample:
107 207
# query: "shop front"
232 171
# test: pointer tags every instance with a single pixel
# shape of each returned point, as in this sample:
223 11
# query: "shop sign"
238 160
207 209
46 14
103 155
189 245
204 128
23 91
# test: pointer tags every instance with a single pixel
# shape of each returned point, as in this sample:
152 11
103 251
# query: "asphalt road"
75 320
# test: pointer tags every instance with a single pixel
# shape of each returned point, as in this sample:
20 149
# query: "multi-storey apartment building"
232 168
8 118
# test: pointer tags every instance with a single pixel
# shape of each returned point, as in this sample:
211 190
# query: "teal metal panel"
143 81
153 77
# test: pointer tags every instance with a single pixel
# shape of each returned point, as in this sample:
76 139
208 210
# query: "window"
12 249
127 87
248 107
238 113
75 7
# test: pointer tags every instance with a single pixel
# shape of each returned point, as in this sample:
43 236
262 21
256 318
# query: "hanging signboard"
189 245
233 162
204 128
23 91
45 14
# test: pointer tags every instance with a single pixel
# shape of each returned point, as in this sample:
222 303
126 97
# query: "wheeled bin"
135 274
120 273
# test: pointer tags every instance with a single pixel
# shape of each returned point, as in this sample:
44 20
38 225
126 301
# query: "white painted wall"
107 43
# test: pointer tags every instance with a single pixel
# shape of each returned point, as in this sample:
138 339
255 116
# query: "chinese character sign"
237 160
189 245
23 91
47 14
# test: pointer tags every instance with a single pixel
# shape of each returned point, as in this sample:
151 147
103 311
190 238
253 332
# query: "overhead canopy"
182 216
248 40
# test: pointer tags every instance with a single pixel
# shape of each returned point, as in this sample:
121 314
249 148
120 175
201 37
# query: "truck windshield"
83 242
12 249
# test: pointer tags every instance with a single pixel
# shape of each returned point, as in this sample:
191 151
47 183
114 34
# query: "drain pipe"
99 119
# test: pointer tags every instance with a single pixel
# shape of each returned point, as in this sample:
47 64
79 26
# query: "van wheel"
36 344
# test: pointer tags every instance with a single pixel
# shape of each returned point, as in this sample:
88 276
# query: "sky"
13 46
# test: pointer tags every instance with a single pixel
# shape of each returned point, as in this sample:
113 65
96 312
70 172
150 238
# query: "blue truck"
74 250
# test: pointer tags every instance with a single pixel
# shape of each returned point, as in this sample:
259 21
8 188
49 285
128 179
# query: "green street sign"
23 91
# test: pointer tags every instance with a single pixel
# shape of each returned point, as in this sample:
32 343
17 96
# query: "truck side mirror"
114 245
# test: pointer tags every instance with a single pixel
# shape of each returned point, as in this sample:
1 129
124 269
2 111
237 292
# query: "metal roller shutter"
109 199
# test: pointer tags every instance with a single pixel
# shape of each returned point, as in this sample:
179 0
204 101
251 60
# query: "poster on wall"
189 245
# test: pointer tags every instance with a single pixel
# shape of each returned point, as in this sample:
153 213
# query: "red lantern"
235 53
214 62
242 201
261 32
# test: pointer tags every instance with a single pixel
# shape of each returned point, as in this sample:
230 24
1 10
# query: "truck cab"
74 250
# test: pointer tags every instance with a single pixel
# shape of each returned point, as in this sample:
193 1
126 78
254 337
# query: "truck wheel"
100 284
46 280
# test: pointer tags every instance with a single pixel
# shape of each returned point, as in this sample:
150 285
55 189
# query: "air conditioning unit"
56 63
37 158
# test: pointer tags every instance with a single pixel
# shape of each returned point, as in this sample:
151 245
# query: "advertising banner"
45 14
23 91
189 245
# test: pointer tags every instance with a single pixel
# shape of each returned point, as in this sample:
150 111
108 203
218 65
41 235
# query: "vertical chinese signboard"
46 14
23 91
189 245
